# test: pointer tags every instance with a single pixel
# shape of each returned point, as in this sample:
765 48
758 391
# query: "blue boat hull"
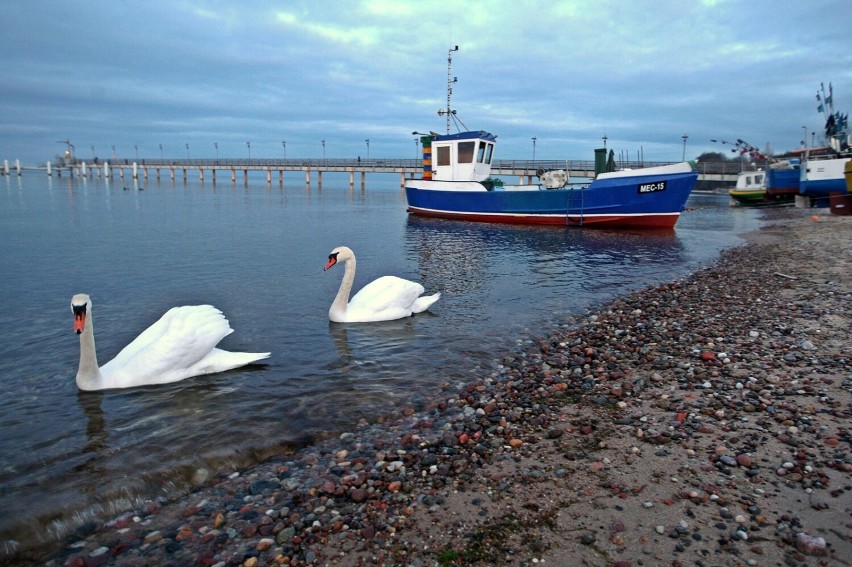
647 201
820 178
782 182
822 187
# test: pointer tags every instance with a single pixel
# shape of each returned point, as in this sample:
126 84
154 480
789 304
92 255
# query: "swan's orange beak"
332 260
79 318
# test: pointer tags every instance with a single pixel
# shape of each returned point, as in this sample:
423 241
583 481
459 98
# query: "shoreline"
677 425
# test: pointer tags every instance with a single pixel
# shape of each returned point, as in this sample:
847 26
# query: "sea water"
256 251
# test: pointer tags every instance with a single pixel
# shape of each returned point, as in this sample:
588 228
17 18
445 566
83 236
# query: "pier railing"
708 171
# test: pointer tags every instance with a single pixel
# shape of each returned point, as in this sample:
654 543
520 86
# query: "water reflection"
360 344
467 243
471 258
96 431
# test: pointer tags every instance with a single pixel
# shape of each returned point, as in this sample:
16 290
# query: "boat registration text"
652 187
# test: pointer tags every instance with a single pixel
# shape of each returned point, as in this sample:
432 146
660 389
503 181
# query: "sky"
273 79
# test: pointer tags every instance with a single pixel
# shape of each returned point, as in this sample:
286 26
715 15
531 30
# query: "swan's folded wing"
387 292
182 337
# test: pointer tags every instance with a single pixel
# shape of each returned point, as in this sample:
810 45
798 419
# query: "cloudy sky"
134 75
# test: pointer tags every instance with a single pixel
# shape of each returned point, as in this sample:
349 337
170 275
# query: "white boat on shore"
823 175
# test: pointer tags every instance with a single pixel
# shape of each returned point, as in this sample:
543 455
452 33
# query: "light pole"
161 152
805 141
284 145
216 145
93 152
113 153
368 147
323 150
248 145
136 147
187 150
685 138
533 141
604 139
416 149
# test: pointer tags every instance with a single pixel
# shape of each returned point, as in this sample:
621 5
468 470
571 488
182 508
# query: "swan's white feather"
384 299
387 297
173 348
181 344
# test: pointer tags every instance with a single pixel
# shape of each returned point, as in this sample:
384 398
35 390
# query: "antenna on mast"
450 80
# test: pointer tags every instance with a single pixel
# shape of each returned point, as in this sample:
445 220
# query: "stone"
744 460
810 545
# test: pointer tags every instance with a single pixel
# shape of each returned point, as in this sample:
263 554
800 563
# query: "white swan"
180 345
384 299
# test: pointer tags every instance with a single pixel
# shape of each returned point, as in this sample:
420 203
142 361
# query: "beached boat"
848 174
750 188
782 179
839 203
822 175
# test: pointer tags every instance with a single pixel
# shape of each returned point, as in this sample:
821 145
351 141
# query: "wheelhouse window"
480 153
466 150
488 152
443 155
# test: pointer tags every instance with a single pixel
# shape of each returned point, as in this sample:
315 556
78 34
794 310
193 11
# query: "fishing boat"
456 183
842 204
750 188
848 174
782 179
822 175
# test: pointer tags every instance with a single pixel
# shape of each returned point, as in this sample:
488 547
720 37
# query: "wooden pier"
232 169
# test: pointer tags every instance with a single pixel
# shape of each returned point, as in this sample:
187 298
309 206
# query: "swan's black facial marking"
79 317
332 260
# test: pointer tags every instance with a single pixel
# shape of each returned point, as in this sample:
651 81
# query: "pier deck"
405 168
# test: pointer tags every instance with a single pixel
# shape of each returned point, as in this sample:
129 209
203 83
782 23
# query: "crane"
69 150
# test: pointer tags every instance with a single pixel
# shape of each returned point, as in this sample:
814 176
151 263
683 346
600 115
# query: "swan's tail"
220 360
423 303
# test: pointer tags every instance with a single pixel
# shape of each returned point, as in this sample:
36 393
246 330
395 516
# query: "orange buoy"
815 218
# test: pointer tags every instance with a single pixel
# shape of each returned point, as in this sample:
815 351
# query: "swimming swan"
384 299
180 345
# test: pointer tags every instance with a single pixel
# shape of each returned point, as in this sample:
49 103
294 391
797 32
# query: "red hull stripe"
644 220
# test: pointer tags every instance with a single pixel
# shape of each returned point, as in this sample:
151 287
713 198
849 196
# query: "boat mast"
450 80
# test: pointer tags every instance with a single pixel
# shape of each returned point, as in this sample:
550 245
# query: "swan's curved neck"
88 374
341 301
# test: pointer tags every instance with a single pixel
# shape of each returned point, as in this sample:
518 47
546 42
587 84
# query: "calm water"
257 253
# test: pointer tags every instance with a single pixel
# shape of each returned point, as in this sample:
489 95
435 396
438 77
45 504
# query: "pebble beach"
703 422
